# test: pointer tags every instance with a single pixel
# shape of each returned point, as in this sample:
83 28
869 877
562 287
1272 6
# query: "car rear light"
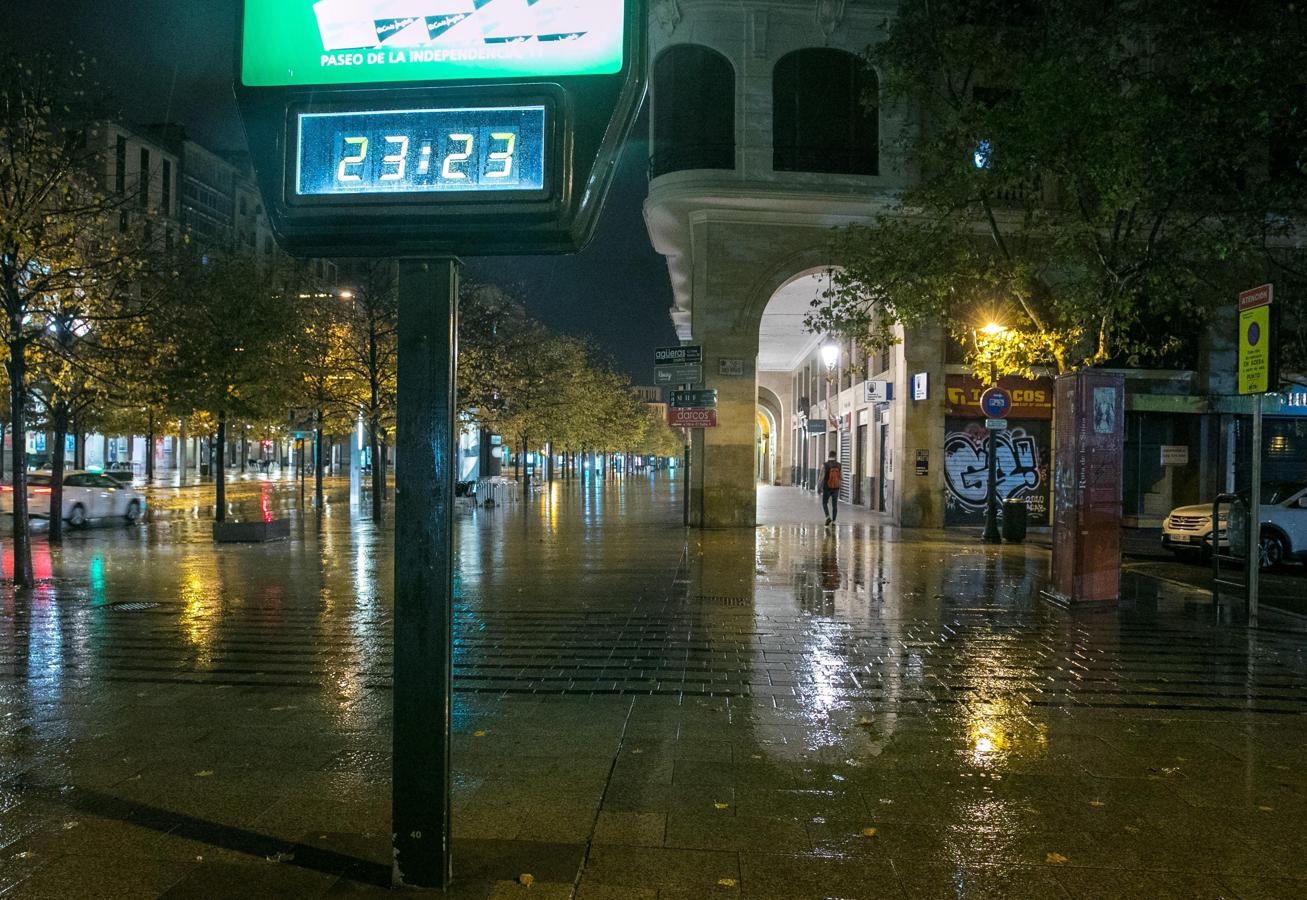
6 489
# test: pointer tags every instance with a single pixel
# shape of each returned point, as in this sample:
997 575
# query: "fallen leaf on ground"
720 805
478 734
1096 803
206 773
526 879
1056 859
727 882
868 832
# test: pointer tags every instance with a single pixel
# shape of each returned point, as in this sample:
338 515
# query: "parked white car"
1284 523
87 495
1188 530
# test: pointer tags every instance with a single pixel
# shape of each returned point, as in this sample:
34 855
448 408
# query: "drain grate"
722 600
132 607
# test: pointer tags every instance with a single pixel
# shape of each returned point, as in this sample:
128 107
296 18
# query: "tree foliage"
1098 177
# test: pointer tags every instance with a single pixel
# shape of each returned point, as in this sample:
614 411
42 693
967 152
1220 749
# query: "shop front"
1023 449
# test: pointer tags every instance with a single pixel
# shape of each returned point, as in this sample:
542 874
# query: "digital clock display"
421 151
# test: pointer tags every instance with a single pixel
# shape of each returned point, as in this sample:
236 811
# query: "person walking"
832 478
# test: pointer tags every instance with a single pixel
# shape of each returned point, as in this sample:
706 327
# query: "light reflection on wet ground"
794 712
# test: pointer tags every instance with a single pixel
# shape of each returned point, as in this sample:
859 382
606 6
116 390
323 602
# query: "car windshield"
35 480
1279 491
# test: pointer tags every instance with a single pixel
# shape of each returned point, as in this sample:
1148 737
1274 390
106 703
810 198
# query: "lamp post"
991 534
830 355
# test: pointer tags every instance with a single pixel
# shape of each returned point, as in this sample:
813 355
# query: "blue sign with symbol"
996 403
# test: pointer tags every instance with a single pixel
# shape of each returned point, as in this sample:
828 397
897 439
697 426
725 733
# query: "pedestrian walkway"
788 505
789 712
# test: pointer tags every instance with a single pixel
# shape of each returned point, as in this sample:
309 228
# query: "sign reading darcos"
298 42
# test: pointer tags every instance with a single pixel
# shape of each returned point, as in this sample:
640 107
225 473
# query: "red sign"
1258 296
1031 399
694 417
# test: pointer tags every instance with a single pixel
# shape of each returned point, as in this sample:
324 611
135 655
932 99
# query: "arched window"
693 111
821 119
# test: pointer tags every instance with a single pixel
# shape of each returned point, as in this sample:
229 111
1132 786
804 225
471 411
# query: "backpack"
834 478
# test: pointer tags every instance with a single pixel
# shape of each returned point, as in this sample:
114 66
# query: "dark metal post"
991 535
686 498
424 500
220 475
1254 515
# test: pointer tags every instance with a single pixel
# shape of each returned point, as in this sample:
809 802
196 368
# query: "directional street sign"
692 418
677 356
693 399
996 424
686 374
996 403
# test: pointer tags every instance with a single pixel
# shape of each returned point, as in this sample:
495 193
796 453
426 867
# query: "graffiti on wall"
1021 465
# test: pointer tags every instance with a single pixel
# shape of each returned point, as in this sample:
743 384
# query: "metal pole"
685 501
424 502
991 535
1254 513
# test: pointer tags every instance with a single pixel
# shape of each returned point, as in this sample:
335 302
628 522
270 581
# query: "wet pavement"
796 712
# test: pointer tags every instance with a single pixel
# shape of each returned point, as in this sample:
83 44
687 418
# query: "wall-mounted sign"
421 151
730 367
923 462
1257 351
921 386
1175 455
877 391
817 426
996 424
695 417
1031 398
300 42
677 356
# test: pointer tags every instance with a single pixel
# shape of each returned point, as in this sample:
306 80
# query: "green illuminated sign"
329 42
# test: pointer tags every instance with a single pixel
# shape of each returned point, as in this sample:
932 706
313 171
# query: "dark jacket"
825 472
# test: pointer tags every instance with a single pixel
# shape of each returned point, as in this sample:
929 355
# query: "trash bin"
1015 514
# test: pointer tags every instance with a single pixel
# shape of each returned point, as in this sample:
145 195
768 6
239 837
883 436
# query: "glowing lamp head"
830 354
993 329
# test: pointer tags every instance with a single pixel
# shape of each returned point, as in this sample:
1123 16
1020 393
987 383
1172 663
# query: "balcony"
697 156
825 160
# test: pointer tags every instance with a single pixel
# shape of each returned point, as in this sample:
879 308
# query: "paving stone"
617 721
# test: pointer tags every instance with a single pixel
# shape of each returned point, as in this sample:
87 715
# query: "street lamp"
991 534
830 355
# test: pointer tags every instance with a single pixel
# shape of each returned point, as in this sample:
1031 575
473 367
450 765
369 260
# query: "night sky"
173 60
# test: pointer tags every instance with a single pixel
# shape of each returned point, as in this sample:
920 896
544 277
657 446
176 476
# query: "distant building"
648 393
142 173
